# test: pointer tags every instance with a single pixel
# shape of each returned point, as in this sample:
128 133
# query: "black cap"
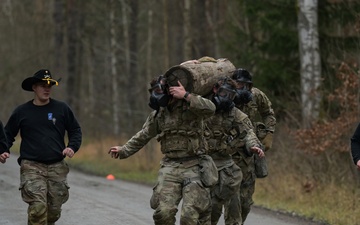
242 75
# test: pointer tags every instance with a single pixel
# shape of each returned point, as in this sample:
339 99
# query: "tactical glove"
268 140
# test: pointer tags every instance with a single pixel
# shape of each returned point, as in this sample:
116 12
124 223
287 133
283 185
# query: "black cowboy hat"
42 75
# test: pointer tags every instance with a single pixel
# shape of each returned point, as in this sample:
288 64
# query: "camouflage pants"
45 189
238 208
227 186
178 181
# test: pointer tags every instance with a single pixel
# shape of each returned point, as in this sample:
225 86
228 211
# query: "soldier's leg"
247 188
166 196
58 190
33 191
247 191
196 207
232 210
228 186
216 209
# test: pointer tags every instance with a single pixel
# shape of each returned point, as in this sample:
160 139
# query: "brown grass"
337 205
140 167
322 187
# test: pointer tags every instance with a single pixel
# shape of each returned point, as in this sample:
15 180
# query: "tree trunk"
149 73
72 30
213 22
166 34
114 74
59 32
126 73
187 28
310 70
125 29
133 76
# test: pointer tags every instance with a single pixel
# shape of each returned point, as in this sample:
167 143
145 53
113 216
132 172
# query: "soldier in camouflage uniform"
178 124
257 106
225 130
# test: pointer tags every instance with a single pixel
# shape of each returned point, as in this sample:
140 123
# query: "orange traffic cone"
110 177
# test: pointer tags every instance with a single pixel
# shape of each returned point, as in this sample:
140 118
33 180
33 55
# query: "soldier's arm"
245 127
139 140
201 106
265 110
198 105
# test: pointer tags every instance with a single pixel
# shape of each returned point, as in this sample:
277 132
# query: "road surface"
95 200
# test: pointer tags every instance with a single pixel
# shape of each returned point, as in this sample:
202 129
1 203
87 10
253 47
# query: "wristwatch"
186 95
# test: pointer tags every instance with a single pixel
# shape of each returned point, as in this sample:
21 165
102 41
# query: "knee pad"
164 216
37 210
53 214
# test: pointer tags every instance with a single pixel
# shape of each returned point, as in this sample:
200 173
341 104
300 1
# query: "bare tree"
187 29
310 60
7 10
59 31
149 73
213 22
166 34
114 75
74 53
125 28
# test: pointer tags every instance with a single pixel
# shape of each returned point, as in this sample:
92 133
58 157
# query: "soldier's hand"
114 152
358 164
177 92
258 151
68 152
268 140
4 156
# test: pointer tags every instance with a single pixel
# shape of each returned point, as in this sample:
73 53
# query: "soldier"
3 146
186 172
253 103
224 130
42 123
355 147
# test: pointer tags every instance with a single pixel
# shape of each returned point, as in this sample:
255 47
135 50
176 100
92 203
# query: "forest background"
106 53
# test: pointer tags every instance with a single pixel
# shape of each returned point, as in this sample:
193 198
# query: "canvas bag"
208 171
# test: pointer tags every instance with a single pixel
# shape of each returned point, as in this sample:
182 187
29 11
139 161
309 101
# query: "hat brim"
30 81
244 81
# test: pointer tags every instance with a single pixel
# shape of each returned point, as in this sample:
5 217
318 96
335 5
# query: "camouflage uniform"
179 128
43 184
223 127
260 105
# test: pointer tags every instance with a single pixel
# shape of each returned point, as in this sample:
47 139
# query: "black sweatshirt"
355 145
42 131
3 144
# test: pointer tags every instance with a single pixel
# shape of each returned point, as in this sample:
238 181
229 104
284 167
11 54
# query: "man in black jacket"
42 123
355 147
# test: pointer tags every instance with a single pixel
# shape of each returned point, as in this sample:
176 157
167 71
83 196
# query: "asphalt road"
95 200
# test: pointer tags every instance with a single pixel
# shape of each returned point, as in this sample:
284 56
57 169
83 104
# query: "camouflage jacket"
229 132
179 128
259 110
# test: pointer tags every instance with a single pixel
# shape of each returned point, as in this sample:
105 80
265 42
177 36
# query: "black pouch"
208 171
261 169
